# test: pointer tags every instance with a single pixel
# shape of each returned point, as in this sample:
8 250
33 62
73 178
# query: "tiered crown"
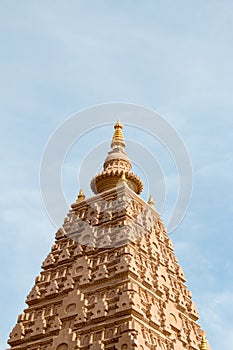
115 165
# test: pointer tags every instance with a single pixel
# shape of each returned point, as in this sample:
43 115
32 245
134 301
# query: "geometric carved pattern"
131 296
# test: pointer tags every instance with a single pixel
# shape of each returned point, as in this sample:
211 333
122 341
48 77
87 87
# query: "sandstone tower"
111 280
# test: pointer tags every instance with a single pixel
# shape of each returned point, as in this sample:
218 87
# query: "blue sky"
58 58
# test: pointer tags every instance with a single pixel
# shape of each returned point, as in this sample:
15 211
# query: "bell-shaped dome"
115 165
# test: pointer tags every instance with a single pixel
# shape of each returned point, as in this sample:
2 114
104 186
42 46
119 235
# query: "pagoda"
111 280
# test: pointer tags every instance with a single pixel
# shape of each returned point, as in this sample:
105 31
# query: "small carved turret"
81 196
151 201
123 181
203 343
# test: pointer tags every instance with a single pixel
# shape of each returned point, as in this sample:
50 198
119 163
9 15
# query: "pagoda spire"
111 280
118 138
116 163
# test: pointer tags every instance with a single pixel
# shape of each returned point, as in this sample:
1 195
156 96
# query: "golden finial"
116 163
118 138
81 196
151 201
203 343
118 124
123 180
